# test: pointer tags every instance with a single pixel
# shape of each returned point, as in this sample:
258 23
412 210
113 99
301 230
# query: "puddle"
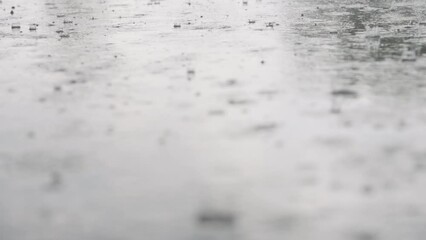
115 113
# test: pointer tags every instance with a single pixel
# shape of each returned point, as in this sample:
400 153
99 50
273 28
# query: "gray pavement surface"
212 120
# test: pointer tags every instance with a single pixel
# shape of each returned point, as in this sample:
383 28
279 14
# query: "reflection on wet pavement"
225 119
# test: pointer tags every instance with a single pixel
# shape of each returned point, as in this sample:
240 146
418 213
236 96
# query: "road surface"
212 120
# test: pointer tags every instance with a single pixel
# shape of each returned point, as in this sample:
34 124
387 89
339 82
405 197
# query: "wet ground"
212 120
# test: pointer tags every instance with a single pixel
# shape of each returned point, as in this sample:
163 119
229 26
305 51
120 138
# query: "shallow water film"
212 119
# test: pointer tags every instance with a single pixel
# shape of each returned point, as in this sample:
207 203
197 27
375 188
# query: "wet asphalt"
212 120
